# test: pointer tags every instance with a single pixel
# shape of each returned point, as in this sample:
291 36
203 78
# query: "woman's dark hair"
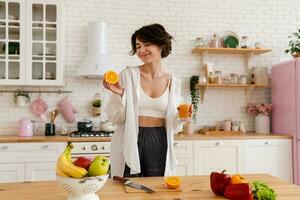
154 34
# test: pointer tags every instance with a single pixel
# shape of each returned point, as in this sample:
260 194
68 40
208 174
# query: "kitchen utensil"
21 98
53 115
85 125
157 185
129 183
50 129
25 127
82 189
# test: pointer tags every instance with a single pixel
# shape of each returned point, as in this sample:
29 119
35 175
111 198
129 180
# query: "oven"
90 149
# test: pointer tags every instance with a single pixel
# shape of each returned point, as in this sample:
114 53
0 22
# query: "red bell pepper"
219 181
240 191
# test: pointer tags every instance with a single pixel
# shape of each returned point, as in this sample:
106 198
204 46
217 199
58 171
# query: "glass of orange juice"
184 109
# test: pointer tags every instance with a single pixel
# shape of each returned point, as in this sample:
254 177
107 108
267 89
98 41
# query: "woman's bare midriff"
145 121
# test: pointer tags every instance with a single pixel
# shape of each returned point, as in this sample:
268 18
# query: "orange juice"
184 111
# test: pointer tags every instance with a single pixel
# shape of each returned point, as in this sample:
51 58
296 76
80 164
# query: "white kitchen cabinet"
272 156
11 172
43 171
217 155
33 31
184 156
29 161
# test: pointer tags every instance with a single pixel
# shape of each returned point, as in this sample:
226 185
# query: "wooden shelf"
230 50
200 85
248 88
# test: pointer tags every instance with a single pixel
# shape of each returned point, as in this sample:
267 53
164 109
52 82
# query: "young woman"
144 107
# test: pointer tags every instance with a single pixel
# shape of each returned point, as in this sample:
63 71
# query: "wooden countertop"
196 136
193 187
16 139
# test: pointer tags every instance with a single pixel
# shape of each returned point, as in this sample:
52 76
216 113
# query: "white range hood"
97 61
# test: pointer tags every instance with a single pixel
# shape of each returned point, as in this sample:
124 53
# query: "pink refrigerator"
286 106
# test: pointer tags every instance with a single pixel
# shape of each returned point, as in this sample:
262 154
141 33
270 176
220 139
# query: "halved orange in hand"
111 77
172 182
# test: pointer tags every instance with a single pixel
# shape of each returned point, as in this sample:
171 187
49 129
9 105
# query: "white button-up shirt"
123 111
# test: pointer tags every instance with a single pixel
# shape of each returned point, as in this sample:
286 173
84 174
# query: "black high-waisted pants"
152 145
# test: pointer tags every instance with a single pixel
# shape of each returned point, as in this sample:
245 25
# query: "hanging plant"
194 94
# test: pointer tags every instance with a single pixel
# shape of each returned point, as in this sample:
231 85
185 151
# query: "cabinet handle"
268 142
45 146
176 144
218 143
4 147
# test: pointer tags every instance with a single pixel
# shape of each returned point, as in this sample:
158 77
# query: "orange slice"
111 77
173 182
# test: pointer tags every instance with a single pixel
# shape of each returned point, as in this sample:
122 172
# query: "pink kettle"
25 128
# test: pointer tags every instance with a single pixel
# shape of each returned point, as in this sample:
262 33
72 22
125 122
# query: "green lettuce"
262 192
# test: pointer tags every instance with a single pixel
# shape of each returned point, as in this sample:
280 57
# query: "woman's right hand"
115 88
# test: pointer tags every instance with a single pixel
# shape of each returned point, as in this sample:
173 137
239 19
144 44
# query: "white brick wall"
269 22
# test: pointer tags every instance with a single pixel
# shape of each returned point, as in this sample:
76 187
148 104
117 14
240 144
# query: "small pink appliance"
25 128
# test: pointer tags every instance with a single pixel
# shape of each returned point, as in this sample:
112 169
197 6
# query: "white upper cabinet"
12 42
33 31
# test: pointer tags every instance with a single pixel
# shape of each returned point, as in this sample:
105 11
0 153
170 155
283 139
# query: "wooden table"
193 187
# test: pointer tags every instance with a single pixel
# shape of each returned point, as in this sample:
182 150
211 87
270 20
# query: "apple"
83 162
99 166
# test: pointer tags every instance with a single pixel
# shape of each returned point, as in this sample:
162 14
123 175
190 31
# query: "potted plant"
262 113
294 44
194 95
96 106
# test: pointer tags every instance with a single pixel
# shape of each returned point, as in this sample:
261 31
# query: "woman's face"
147 52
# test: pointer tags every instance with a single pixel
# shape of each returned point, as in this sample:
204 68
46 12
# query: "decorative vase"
262 124
188 127
296 55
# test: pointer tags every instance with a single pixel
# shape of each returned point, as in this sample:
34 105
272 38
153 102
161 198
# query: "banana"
65 165
60 173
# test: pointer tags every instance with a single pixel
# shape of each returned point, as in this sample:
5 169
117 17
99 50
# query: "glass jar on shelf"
245 42
211 78
218 77
243 79
199 42
233 78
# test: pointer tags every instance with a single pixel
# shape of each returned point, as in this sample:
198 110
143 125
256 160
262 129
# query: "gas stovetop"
91 134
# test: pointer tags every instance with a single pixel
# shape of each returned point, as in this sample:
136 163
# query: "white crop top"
153 107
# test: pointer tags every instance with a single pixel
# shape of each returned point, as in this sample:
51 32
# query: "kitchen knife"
129 183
